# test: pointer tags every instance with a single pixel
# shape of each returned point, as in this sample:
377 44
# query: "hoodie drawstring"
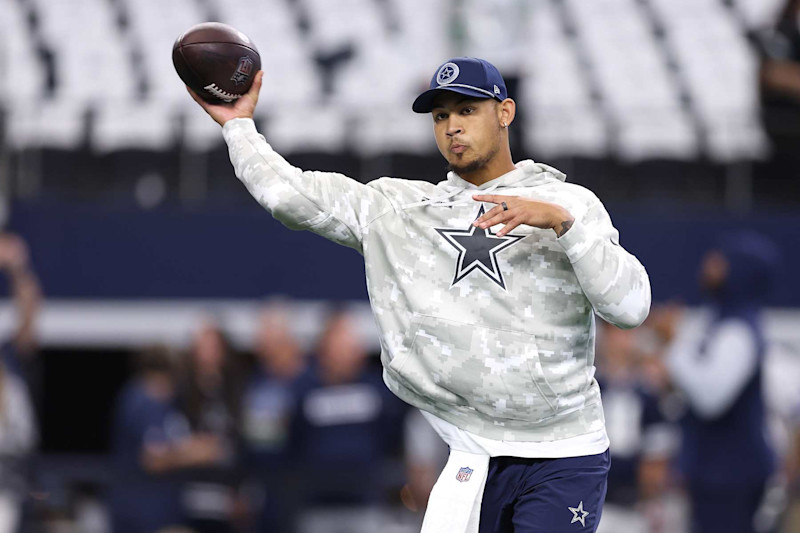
444 201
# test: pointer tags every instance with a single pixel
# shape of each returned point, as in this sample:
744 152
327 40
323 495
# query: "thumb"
256 87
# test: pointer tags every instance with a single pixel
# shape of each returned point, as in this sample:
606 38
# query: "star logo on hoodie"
477 250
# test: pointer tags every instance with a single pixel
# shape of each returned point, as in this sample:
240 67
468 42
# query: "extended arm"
614 281
330 204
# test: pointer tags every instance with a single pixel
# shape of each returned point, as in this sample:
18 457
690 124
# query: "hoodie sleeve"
614 281
714 377
329 204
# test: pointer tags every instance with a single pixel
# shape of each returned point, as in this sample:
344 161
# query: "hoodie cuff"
236 126
576 241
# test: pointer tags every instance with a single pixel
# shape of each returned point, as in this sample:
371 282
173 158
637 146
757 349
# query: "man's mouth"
458 148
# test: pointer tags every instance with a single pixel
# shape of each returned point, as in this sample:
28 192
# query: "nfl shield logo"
243 70
464 474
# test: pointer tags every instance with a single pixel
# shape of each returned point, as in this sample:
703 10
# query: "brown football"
217 61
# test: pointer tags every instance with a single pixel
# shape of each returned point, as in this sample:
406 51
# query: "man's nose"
454 128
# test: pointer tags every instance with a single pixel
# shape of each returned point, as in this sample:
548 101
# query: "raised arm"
330 204
614 281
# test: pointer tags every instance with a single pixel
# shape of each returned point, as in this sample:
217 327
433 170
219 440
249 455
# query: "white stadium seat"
595 78
148 125
23 76
308 129
394 130
41 123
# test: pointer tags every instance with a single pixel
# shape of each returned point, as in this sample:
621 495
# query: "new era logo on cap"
465 75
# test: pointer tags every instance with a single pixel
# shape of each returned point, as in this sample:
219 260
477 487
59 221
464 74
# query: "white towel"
454 505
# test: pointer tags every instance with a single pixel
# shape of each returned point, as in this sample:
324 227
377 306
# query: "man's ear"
506 111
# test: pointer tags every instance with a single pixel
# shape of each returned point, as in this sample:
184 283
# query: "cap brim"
424 102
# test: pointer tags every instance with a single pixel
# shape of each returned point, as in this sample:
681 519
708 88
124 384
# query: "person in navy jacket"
726 456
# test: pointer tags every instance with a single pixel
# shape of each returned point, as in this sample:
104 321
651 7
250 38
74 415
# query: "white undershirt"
458 439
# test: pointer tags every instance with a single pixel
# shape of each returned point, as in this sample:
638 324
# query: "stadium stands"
623 78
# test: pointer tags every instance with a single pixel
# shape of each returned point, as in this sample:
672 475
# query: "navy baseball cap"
465 75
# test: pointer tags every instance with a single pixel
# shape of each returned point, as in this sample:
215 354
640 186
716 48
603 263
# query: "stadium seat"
18 55
720 71
308 129
154 26
566 132
148 125
46 123
759 14
495 31
393 130
200 133
597 68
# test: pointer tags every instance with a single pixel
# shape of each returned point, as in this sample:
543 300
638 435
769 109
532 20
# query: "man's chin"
463 167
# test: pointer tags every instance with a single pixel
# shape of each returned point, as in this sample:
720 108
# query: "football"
216 61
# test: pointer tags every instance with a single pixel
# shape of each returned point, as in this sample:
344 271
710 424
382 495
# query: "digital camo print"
493 335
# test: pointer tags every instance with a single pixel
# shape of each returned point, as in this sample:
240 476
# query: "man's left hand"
519 210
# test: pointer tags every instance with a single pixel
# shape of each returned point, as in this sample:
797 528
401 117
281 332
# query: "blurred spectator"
780 95
18 426
209 397
791 520
267 407
725 456
26 293
425 455
346 424
150 441
643 441
18 437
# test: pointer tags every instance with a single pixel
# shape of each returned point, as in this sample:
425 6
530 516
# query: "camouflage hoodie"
492 334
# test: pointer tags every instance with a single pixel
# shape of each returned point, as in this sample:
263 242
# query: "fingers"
256 87
510 225
251 96
494 216
196 97
491 198
488 214
497 215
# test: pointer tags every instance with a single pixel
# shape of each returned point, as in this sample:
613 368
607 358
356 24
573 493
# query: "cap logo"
496 89
447 73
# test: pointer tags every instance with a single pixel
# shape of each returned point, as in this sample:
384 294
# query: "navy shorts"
544 495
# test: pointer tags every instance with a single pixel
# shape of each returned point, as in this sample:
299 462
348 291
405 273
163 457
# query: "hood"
526 174
753 262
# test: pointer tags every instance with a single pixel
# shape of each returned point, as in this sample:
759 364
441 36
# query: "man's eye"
439 116
468 110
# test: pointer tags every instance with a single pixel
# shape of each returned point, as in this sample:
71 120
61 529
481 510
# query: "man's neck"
492 170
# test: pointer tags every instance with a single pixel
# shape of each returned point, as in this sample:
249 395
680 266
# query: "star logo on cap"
477 250
447 73
578 511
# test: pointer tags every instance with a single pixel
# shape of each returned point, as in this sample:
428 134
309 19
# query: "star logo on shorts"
477 250
576 511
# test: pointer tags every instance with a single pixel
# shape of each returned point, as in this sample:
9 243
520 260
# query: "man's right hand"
242 108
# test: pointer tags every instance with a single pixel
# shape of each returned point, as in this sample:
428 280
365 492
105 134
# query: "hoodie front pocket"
495 371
